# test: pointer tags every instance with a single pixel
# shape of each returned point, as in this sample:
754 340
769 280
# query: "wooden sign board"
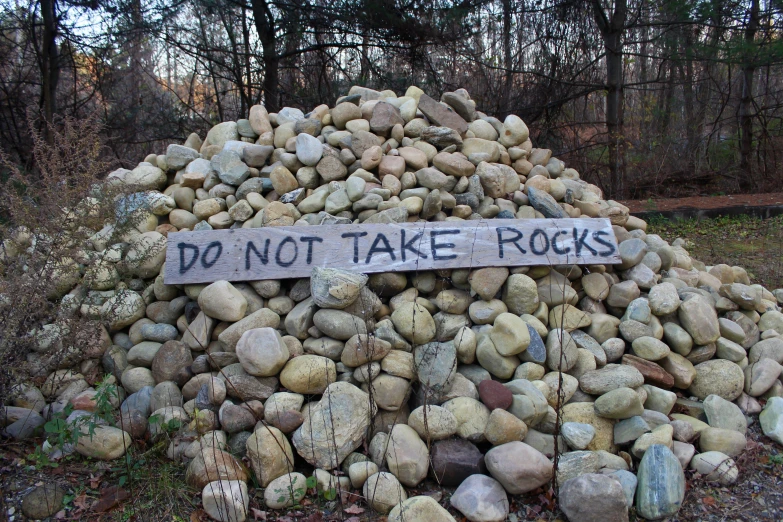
250 254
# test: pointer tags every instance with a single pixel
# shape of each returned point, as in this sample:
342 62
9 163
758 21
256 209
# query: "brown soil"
705 202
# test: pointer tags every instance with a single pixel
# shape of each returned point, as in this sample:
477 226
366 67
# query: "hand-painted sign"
249 254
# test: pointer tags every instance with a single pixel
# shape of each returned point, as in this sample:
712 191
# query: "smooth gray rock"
178 156
436 364
577 435
628 482
230 168
628 430
724 414
536 350
159 333
545 203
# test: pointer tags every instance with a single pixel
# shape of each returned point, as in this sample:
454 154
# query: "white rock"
309 149
771 419
226 500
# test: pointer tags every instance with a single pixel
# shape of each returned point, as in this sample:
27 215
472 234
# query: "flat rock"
442 116
653 373
610 377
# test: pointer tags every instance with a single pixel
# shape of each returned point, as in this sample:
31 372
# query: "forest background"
645 98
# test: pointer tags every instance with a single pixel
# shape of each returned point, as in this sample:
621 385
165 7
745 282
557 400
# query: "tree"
746 99
612 27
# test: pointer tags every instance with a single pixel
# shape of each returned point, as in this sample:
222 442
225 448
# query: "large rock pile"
377 382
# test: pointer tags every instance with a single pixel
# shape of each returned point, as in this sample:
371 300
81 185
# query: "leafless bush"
48 212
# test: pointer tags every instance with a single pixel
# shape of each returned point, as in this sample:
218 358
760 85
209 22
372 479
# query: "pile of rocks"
655 364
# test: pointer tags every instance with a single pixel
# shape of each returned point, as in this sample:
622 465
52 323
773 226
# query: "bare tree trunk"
248 68
50 65
364 71
746 101
612 32
643 61
248 96
507 56
265 26
687 79
135 70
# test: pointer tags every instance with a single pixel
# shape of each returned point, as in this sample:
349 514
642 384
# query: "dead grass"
752 243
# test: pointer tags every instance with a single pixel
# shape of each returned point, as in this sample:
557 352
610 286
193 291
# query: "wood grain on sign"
249 254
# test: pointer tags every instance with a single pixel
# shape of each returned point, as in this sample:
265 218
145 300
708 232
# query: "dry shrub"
48 212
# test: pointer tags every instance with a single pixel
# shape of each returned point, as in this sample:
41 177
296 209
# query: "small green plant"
41 460
59 432
650 205
128 468
105 395
776 459
171 426
70 497
329 494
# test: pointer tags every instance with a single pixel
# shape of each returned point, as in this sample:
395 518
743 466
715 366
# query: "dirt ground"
705 202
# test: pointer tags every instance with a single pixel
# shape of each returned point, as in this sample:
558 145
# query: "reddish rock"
85 401
494 395
454 460
652 372
165 228
384 117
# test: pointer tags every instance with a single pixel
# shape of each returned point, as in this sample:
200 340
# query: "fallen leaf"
95 481
110 497
349 498
258 514
354 510
710 501
80 502
199 515
352 519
